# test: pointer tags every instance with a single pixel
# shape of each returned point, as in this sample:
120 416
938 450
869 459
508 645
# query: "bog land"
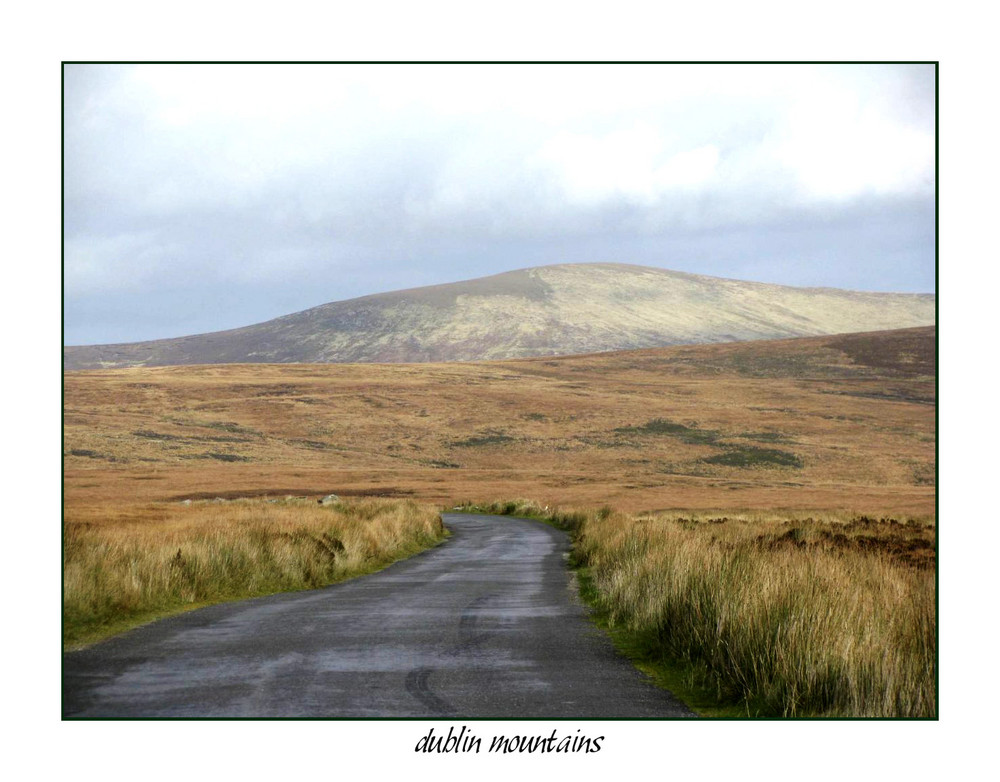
843 422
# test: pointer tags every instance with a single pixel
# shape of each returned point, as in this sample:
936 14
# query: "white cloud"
166 138
689 168
843 144
634 162
237 172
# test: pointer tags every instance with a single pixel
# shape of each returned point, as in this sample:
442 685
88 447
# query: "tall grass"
782 616
119 571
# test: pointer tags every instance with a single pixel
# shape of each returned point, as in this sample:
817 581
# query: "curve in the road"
487 625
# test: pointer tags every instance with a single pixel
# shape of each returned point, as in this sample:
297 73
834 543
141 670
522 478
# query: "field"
832 423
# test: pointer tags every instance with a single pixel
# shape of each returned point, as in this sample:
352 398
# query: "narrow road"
485 625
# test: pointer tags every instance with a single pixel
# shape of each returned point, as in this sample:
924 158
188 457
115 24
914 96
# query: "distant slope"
544 311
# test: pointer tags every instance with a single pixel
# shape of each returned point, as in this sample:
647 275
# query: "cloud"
263 178
634 162
842 145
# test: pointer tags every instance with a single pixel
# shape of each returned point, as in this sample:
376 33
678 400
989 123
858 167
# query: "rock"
185 502
330 499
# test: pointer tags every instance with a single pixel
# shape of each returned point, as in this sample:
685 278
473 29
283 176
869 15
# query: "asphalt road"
486 625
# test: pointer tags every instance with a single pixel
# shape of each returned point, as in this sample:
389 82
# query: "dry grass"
832 422
121 568
780 614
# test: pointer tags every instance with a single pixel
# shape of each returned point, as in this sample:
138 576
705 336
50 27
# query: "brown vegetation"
820 423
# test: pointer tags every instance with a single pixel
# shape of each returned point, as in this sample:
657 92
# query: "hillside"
832 422
544 311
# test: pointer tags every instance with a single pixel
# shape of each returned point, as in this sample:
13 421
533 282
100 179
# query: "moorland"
755 520
840 422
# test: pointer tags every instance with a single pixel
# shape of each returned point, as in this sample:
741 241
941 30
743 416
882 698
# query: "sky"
206 197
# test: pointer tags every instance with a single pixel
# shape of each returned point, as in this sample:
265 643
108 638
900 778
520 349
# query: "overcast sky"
205 197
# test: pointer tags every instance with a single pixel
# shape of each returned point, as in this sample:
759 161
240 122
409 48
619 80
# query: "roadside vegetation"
122 568
765 614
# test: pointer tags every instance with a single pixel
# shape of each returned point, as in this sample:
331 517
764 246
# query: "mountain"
542 311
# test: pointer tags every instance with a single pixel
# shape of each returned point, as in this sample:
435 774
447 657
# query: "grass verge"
123 570
764 615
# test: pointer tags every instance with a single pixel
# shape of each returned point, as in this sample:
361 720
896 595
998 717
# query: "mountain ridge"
537 311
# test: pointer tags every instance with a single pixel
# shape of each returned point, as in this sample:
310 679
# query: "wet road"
486 625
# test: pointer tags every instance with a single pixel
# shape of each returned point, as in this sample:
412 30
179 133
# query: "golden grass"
781 614
123 567
795 423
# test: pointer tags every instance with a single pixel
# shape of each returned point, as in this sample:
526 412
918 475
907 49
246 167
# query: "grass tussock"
776 615
122 570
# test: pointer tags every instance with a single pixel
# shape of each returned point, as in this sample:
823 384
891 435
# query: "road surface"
486 625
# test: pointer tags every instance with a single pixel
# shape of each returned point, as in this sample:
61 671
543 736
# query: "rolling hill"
543 311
